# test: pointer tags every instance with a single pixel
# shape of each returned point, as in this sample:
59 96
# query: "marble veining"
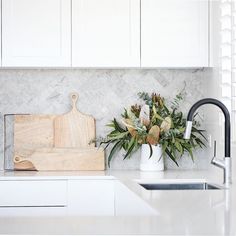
102 93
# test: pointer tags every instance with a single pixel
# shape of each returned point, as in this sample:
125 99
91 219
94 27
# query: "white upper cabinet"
36 33
174 33
105 33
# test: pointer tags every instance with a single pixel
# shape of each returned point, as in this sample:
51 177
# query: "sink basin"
181 186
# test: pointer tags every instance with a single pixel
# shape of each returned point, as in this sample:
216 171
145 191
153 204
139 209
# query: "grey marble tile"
102 93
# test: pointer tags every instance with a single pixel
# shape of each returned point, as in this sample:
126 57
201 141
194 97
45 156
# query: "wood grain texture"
50 142
32 132
53 159
74 129
23 165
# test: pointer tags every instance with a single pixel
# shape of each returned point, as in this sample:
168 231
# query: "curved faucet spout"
225 165
226 115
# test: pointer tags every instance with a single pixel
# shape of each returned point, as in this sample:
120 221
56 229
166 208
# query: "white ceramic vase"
153 163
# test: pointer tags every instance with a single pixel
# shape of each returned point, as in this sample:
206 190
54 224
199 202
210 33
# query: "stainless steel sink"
181 186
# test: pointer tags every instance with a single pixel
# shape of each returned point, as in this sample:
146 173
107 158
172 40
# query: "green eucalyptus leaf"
164 146
131 143
181 129
199 142
118 136
111 125
171 156
158 117
113 151
151 151
108 144
118 127
166 110
191 154
130 148
173 139
179 147
180 119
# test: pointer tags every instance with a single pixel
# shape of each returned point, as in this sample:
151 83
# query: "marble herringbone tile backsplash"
102 93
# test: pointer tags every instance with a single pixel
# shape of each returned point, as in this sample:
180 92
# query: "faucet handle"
214 153
214 148
215 161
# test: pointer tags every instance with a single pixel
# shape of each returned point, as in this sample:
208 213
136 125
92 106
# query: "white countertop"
189 212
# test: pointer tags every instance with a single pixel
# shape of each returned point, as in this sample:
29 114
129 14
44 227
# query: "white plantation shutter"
233 72
227 60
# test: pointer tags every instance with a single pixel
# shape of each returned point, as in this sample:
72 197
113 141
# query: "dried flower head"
136 109
157 99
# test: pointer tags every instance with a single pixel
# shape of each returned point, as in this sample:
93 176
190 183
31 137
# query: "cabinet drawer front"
33 193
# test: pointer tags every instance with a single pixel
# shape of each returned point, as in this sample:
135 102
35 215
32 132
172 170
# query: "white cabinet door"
91 197
33 193
106 33
174 33
36 33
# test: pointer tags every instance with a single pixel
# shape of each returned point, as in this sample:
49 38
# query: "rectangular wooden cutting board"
32 132
52 159
56 142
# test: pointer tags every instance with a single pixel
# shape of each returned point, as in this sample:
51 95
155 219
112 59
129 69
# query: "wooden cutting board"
74 129
32 132
52 142
52 159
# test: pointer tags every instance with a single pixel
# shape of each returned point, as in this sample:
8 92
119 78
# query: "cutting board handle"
74 98
23 164
17 159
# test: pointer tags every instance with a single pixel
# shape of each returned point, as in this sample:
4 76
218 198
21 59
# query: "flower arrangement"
154 122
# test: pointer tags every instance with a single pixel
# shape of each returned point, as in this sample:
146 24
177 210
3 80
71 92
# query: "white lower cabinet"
70 197
33 193
91 197
56 197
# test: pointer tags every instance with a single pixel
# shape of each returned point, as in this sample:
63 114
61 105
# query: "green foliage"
131 133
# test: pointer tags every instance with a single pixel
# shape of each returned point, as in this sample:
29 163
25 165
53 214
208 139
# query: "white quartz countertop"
186 212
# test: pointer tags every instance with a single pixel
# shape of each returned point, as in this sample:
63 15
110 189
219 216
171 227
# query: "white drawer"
33 193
